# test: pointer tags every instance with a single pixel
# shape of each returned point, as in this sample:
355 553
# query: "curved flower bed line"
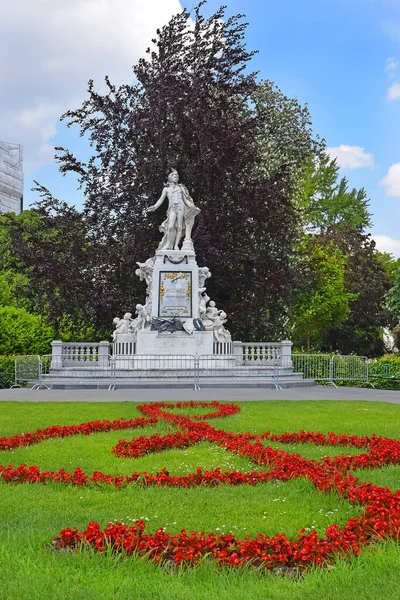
188 549
154 415
57 431
379 519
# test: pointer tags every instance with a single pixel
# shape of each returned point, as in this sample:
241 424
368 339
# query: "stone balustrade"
265 352
222 348
67 354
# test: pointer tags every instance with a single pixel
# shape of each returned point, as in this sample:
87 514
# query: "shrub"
23 333
7 371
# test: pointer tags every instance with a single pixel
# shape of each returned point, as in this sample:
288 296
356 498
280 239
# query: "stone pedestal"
176 343
124 346
175 287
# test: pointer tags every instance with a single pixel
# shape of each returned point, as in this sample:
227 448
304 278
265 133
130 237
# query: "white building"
11 178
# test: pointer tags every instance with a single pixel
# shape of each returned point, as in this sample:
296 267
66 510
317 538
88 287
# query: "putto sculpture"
180 215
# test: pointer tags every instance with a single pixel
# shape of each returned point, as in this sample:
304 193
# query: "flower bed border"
379 519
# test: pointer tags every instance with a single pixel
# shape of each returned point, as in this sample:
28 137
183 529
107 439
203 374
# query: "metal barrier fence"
317 367
214 370
326 368
154 369
94 373
350 368
28 370
220 370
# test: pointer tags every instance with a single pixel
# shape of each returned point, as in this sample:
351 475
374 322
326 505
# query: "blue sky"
339 56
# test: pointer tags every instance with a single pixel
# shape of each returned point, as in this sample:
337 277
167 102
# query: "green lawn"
33 514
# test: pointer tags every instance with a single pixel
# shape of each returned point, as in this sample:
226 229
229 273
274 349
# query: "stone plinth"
124 346
176 343
175 287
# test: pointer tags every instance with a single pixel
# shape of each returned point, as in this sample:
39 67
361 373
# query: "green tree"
365 276
195 107
5 292
389 263
322 303
393 297
15 272
54 247
328 202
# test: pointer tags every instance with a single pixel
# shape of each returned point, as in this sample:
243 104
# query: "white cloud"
394 91
385 243
391 28
49 50
391 65
351 157
392 180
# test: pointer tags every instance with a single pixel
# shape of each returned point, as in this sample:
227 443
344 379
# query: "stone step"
68 384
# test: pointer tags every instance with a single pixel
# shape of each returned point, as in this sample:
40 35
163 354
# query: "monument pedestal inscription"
175 289
177 343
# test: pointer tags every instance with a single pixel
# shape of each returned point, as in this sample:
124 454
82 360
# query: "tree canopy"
240 147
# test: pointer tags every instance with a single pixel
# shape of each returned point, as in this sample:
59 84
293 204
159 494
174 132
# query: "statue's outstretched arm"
159 202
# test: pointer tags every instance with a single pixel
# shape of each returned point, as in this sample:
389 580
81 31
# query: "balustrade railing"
222 348
66 354
262 352
81 352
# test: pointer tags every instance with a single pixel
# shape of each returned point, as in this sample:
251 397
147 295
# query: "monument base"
176 343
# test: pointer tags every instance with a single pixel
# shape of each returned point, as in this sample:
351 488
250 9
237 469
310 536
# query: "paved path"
168 395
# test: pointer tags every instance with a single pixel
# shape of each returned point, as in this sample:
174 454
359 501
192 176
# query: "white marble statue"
220 333
143 320
180 215
122 325
212 311
145 272
204 273
214 320
203 305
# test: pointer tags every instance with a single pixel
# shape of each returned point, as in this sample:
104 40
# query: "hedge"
7 371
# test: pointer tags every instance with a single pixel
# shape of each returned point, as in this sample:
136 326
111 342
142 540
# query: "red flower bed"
379 519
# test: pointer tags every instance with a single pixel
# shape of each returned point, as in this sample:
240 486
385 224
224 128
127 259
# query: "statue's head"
139 307
211 303
128 316
173 176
